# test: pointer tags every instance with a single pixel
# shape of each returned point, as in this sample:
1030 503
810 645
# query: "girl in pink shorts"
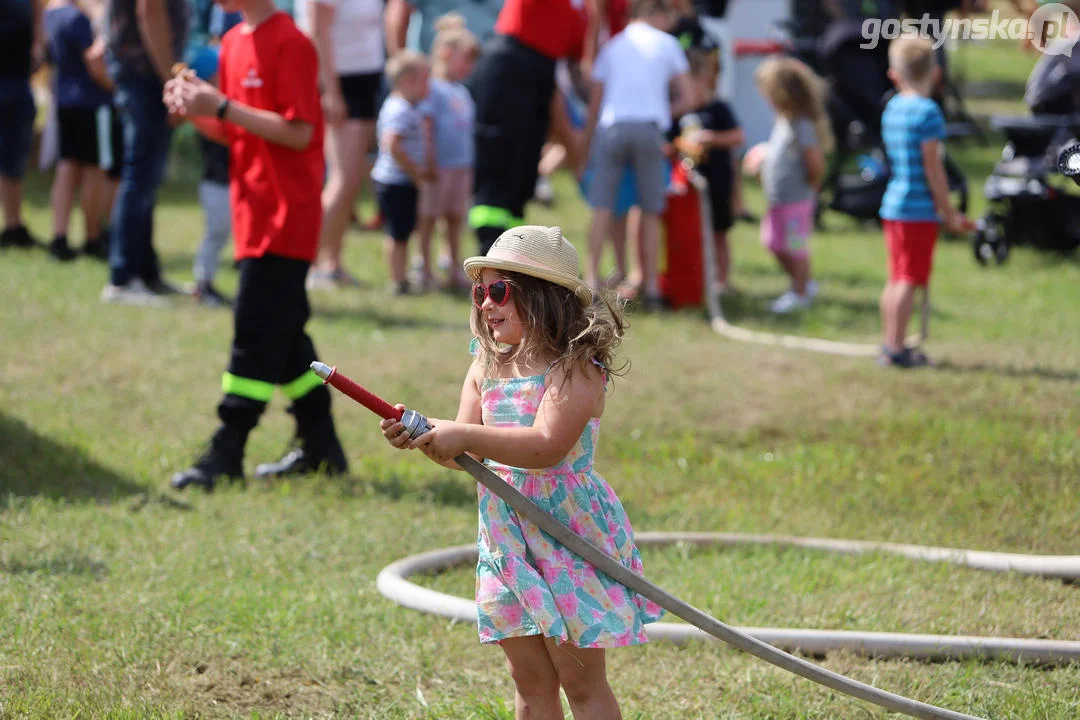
448 197
792 166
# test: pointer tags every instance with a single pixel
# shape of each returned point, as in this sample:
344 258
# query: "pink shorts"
448 195
787 228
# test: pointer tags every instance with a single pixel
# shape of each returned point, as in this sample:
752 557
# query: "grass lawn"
120 600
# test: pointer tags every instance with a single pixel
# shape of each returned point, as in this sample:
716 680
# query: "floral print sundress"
527 583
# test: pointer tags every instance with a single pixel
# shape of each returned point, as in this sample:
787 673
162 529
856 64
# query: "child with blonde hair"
447 197
917 198
792 167
543 351
406 158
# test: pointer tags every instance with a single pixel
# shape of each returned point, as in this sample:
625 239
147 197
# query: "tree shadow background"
32 465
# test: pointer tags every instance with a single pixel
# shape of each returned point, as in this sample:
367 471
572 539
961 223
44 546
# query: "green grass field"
120 600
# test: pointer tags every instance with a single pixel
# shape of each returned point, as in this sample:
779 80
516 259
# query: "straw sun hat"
538 251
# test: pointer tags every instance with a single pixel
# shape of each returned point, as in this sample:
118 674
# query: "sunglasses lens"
479 292
497 290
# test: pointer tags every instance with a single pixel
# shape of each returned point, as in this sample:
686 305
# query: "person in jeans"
630 111
20 49
140 70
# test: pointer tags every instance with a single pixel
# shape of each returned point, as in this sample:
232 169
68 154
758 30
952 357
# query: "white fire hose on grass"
721 326
393 583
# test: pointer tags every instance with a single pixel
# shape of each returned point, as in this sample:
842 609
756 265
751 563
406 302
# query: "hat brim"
474 267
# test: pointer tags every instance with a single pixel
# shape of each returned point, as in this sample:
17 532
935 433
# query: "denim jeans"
146 150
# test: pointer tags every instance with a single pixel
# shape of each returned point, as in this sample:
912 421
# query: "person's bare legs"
633 243
346 155
62 196
11 198
454 225
797 269
93 190
582 674
903 300
723 256
598 233
886 314
397 258
425 228
800 273
650 254
618 245
535 680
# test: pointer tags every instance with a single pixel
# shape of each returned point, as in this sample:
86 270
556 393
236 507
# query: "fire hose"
416 424
720 324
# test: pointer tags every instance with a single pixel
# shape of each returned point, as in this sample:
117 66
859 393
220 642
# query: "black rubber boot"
316 448
223 459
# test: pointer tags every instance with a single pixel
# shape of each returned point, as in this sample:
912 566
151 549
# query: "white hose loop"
393 582
721 326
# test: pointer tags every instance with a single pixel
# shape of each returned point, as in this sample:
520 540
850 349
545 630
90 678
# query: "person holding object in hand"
916 201
268 112
531 405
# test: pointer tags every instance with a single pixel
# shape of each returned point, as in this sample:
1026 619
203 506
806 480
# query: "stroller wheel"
1001 253
983 249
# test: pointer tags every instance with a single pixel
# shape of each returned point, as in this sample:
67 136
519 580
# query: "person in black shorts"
406 157
78 97
348 35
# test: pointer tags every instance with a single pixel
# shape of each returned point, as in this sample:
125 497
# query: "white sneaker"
544 192
320 280
789 302
134 293
811 289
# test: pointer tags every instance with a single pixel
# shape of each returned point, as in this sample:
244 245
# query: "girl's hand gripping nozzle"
415 423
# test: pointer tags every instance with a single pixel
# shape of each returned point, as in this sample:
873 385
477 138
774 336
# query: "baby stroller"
1026 205
858 90
1028 202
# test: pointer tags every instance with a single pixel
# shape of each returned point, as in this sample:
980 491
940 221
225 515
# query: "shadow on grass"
1011 371
64 564
35 466
448 492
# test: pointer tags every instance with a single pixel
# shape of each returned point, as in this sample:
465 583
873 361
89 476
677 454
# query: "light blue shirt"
479 16
398 117
907 123
455 118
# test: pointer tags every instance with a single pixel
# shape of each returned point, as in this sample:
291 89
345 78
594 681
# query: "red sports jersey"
275 191
555 28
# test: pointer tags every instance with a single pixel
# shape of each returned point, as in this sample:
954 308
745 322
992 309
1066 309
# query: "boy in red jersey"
268 113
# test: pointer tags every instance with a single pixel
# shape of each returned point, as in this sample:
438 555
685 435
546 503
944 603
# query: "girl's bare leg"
582 673
535 679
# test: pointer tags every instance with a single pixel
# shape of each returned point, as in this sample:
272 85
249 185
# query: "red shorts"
911 250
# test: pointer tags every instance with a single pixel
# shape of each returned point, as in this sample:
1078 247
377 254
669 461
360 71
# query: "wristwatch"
222 107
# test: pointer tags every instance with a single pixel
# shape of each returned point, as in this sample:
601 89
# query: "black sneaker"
301 461
60 249
160 286
17 237
905 359
223 459
97 248
208 296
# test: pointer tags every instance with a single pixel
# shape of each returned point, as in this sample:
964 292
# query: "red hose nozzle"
330 376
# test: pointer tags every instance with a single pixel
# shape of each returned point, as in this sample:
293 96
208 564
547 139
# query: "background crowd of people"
516 90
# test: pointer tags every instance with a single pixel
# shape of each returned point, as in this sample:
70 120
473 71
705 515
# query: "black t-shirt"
215 159
16 38
717 164
692 36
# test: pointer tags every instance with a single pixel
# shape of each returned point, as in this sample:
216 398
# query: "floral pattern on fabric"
527 583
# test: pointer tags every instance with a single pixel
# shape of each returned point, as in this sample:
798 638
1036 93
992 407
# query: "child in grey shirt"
792 166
